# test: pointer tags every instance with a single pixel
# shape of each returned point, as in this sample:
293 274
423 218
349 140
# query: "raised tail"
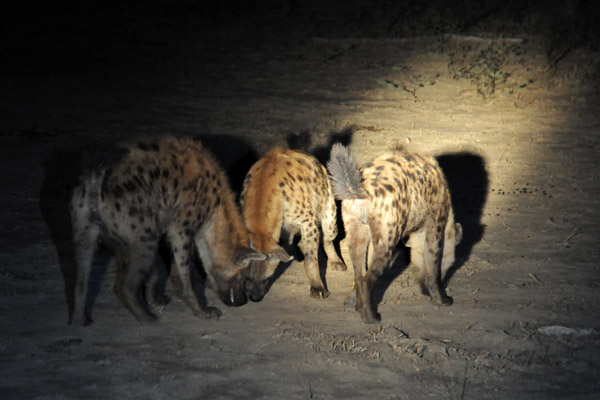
344 174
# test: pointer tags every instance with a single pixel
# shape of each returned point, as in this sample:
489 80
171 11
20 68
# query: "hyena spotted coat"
144 190
290 190
395 196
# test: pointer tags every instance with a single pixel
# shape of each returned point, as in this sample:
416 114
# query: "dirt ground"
510 110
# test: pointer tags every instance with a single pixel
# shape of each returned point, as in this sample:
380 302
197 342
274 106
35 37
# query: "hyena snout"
258 281
234 295
232 291
261 273
256 290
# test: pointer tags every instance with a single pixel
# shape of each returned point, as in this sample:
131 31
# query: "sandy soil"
522 163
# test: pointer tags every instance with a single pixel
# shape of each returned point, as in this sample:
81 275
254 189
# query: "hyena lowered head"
289 190
395 196
154 188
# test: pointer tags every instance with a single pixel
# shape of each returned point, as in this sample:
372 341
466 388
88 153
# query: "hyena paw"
424 289
161 299
447 301
337 266
147 318
319 293
210 313
350 299
370 317
81 321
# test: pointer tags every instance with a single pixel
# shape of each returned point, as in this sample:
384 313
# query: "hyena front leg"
183 248
85 240
309 244
141 263
432 260
330 232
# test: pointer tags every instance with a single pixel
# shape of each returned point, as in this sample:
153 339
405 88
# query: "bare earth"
523 169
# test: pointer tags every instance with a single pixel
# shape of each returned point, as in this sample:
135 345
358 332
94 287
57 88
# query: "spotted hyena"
143 190
289 190
395 196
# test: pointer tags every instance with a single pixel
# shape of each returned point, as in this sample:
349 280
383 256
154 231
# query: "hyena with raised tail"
142 190
289 190
395 196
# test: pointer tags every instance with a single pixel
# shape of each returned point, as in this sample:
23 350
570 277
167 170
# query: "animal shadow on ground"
233 154
62 170
61 174
468 183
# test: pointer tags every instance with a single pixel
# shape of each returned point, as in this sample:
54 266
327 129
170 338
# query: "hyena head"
261 272
223 248
452 238
230 282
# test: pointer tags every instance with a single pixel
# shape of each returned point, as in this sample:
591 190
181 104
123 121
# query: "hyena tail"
93 169
344 174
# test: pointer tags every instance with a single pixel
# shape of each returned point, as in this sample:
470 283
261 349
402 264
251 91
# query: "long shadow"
468 181
234 155
400 260
344 137
62 171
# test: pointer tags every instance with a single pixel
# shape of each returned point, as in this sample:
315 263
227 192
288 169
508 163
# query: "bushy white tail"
344 174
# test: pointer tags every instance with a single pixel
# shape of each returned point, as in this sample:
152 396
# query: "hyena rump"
144 190
395 196
290 190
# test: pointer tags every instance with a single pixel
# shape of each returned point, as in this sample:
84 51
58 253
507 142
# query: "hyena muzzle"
289 190
144 190
395 196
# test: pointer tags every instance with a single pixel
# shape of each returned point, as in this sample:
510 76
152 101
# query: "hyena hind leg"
330 231
309 245
417 245
85 241
433 249
142 262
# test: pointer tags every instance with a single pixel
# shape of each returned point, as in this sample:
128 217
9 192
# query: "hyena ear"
458 232
245 255
280 254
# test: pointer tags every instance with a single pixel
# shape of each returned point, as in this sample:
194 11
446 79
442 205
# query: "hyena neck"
263 241
263 216
230 227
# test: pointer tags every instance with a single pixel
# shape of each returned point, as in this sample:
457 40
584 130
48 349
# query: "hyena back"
289 190
395 196
144 190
